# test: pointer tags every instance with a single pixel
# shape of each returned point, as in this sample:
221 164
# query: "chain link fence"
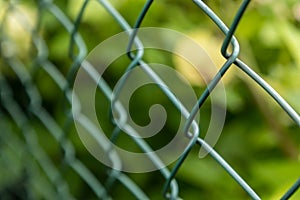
44 46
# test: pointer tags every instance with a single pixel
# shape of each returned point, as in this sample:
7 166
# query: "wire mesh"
27 121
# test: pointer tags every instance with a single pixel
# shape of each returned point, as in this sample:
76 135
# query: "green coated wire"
191 117
132 187
102 84
79 58
232 29
17 67
154 76
141 143
228 63
282 103
193 141
219 159
67 147
50 124
169 94
82 48
74 163
126 181
187 150
292 190
273 93
134 58
31 140
146 68
200 102
226 47
285 106
29 162
65 84
23 124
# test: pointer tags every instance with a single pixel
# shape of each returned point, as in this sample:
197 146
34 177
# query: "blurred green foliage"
259 139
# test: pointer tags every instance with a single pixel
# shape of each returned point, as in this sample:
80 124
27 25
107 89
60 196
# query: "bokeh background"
259 139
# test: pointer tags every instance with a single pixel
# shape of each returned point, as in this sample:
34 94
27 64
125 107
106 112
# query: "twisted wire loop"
284 105
136 59
77 59
35 108
23 122
37 161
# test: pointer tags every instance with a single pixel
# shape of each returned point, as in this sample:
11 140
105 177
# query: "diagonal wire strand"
35 109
